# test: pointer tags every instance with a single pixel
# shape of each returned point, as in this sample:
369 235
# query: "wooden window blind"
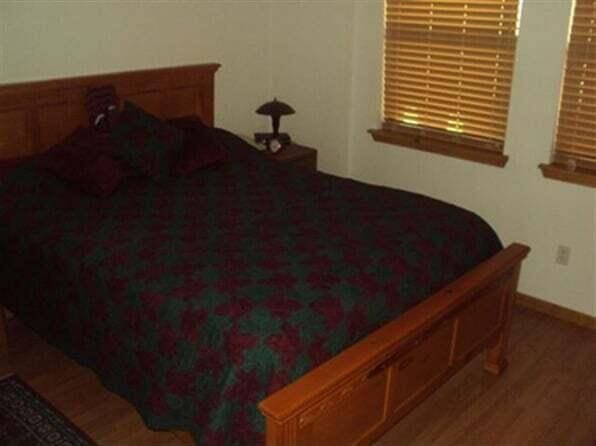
448 70
575 142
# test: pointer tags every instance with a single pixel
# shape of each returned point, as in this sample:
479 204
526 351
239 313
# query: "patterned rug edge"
41 399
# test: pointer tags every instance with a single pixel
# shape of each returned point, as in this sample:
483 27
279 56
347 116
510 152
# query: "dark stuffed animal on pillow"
102 105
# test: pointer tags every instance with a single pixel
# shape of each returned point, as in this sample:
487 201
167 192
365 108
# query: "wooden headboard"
36 115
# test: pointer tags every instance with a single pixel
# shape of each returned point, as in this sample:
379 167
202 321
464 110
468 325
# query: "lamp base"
264 138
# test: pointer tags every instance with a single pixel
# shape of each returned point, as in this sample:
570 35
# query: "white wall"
51 38
312 45
325 58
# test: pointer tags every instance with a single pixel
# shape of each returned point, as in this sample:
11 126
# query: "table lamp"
276 109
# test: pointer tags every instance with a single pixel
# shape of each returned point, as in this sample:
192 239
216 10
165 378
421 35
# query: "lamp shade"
275 108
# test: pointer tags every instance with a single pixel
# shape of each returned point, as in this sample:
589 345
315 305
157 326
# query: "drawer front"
478 321
417 370
348 416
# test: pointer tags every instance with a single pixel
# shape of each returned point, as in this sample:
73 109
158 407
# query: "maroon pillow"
83 159
201 146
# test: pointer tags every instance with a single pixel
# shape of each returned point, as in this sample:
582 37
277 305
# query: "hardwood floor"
546 397
77 393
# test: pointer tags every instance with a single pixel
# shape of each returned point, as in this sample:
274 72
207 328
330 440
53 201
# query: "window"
574 157
447 76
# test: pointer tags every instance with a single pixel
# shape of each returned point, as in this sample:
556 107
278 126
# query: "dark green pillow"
145 142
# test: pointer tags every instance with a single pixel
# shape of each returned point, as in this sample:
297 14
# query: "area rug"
27 419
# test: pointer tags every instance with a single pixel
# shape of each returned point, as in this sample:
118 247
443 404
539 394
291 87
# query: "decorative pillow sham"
84 160
201 148
146 143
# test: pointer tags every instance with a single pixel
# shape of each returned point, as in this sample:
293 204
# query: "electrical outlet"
563 254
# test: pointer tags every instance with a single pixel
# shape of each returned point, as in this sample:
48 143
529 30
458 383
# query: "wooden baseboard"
556 311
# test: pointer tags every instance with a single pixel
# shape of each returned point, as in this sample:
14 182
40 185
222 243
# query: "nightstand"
296 155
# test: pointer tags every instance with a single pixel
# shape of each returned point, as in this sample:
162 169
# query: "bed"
252 303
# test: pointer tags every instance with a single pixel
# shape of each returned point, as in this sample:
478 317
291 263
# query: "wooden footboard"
356 396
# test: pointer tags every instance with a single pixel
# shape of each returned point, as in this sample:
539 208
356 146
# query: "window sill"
446 148
583 177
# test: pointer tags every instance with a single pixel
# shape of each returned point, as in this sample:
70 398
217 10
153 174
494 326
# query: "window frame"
435 140
564 167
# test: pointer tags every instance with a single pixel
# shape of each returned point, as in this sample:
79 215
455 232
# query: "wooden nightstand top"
297 155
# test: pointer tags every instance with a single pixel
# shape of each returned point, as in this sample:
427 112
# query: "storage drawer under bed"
348 416
418 369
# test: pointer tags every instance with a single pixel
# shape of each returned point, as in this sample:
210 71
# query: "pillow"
201 148
146 143
84 160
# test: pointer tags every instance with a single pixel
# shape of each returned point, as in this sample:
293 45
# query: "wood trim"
556 311
462 139
580 163
441 147
305 411
581 176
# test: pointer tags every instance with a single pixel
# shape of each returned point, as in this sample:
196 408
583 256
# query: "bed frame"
353 398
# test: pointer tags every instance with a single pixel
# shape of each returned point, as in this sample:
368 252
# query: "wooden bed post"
3 334
496 353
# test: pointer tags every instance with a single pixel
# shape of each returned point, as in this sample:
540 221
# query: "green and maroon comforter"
196 298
